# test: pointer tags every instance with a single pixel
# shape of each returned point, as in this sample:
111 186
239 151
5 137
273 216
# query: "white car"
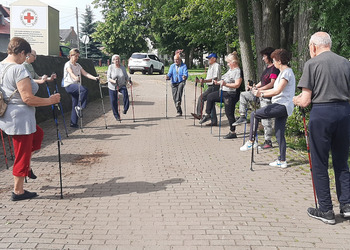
146 63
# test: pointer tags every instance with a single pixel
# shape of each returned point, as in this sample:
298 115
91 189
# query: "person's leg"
202 99
125 93
244 99
230 109
212 98
83 96
320 144
174 91
267 123
340 153
22 146
74 92
113 97
280 127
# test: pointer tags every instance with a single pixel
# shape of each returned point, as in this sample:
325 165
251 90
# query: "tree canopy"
202 26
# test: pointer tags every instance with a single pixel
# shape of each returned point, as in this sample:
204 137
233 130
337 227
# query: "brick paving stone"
161 184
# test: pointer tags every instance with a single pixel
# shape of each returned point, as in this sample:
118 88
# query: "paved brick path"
161 184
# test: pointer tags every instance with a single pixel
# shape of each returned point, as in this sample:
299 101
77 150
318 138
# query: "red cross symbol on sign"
29 17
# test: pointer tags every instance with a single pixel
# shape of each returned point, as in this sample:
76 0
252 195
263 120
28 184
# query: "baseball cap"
212 55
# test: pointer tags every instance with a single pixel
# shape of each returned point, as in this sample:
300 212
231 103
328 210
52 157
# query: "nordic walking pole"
79 103
11 150
245 126
254 135
58 145
195 99
3 145
103 106
166 98
308 152
185 97
120 116
221 94
61 108
201 99
52 107
132 100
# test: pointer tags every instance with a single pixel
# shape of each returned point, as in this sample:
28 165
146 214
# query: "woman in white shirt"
71 81
282 105
117 79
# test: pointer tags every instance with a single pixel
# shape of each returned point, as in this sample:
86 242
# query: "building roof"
64 33
4 20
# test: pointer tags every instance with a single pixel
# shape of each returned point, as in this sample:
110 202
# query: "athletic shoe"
205 118
198 117
26 195
240 121
327 217
345 210
179 114
267 144
74 125
230 135
278 163
125 111
78 110
248 145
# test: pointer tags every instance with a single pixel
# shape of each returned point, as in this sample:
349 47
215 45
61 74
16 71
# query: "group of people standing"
325 83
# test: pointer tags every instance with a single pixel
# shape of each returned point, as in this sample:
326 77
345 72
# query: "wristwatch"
262 94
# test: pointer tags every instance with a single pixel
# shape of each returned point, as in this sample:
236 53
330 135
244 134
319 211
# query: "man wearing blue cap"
214 73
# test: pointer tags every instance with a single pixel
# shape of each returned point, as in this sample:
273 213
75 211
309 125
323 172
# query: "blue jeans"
73 90
113 97
329 131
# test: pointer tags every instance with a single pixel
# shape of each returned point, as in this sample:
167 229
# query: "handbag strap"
2 79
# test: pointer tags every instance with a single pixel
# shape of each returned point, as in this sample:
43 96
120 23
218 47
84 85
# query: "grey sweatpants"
248 97
177 90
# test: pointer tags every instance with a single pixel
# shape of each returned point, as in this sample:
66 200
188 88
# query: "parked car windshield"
138 56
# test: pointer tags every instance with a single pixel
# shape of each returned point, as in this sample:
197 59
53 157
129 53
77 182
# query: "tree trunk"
257 22
271 23
303 34
244 39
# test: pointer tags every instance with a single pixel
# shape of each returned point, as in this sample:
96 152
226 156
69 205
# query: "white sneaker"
278 163
248 145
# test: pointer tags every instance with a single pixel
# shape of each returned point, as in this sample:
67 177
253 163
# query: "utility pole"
77 17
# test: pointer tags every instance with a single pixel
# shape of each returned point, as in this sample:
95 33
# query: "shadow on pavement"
113 188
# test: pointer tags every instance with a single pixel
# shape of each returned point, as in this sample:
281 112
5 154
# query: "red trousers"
23 146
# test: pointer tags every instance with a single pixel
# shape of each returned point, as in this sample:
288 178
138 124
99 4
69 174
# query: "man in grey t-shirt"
326 84
214 73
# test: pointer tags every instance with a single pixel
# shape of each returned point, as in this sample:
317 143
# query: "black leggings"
230 99
279 112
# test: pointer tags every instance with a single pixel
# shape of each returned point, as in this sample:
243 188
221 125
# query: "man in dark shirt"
326 84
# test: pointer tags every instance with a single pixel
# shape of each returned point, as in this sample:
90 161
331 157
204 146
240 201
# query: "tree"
244 39
88 27
125 28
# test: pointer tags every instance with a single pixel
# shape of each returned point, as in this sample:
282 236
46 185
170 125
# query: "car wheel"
144 72
150 71
161 72
131 72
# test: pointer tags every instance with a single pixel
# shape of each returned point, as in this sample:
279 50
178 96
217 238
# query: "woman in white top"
282 105
117 79
19 121
71 81
230 84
